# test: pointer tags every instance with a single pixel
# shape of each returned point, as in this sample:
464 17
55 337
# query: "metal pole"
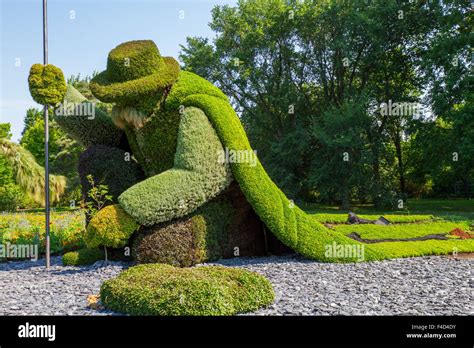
46 137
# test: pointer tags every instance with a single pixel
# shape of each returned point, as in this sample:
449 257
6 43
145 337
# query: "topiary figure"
159 289
110 227
187 138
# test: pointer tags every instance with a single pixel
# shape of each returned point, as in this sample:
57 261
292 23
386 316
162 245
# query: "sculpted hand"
46 83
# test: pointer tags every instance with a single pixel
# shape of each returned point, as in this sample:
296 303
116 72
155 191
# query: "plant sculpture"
183 133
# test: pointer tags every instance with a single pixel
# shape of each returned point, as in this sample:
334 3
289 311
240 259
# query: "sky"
81 34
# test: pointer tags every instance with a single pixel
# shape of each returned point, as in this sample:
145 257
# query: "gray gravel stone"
27 288
419 286
431 285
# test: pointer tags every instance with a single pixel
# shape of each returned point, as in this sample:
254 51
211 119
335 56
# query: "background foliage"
308 77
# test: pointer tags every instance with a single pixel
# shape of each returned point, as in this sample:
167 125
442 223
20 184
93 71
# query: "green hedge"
158 289
197 176
82 257
111 227
186 242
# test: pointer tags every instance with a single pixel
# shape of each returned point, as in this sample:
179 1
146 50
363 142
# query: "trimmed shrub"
158 289
47 84
178 243
111 227
82 257
188 241
108 166
197 176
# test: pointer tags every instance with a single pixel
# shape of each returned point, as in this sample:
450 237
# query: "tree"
343 156
441 153
5 130
288 65
33 139
33 115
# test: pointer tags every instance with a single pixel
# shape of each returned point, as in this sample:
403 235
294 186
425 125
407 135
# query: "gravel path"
414 286
27 288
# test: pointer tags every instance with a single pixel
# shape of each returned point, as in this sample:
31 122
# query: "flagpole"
46 137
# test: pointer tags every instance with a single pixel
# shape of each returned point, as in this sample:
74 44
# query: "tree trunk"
376 178
345 201
401 173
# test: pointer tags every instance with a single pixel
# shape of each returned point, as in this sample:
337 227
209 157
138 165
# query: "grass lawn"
401 230
416 210
420 218
340 218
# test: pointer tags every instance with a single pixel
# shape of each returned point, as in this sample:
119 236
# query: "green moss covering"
110 227
158 289
391 250
82 257
191 240
197 176
47 85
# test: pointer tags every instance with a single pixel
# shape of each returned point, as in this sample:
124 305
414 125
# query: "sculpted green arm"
77 116
196 177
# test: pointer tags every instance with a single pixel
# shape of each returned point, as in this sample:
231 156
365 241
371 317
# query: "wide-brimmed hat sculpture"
135 69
